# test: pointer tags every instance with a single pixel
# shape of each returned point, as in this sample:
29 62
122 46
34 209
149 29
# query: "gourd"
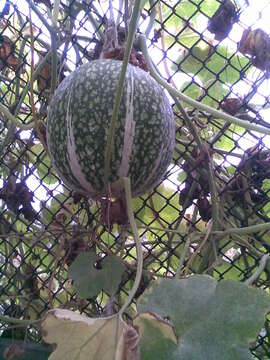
78 124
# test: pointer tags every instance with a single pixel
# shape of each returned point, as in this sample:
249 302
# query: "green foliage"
46 173
212 320
148 206
191 89
208 65
59 204
89 280
158 338
188 10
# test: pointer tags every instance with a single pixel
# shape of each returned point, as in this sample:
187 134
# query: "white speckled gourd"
78 124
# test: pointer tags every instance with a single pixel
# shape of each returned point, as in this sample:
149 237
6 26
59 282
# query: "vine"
116 106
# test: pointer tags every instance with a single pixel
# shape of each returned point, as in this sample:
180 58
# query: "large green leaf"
192 10
222 64
89 279
212 320
195 12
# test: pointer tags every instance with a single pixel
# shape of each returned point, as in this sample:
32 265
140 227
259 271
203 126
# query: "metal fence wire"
214 51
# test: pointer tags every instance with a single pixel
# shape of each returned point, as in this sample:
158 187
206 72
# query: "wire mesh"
44 225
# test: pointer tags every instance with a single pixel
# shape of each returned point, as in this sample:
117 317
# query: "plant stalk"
259 270
111 134
7 114
126 183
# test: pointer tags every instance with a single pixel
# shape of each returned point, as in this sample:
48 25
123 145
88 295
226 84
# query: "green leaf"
222 64
60 204
89 281
187 10
225 143
208 7
176 22
227 270
158 337
212 320
191 89
192 61
43 164
168 211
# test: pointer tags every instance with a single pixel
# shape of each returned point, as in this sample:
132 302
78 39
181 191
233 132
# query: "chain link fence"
218 57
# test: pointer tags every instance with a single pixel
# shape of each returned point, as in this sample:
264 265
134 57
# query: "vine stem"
196 104
7 114
12 320
259 270
197 138
4 109
55 12
152 17
35 75
244 230
32 100
116 106
127 188
53 34
182 258
41 17
209 167
199 248
54 61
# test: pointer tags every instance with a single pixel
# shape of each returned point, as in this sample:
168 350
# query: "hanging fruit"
78 124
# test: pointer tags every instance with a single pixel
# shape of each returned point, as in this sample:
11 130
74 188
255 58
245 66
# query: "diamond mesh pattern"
44 226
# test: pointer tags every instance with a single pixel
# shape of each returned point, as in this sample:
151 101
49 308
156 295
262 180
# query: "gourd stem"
116 106
126 183
31 97
203 107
